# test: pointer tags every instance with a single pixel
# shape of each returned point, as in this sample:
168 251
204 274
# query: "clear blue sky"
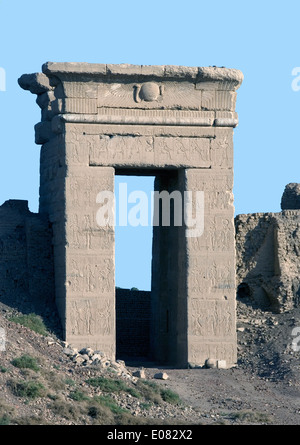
259 38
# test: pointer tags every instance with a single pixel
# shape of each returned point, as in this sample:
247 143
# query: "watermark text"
2 339
296 339
296 80
163 208
2 79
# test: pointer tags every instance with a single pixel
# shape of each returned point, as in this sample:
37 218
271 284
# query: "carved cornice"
132 95
197 74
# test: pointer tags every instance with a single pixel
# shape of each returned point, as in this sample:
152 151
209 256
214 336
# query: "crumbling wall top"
291 197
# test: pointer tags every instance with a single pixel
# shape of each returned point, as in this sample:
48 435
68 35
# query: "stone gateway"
175 123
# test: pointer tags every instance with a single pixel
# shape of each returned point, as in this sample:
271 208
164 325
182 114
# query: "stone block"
140 373
124 69
153 70
224 75
174 71
70 68
221 364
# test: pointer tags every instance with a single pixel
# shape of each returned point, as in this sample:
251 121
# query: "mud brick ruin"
268 253
175 123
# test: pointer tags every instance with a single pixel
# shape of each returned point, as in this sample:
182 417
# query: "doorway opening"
149 254
133 262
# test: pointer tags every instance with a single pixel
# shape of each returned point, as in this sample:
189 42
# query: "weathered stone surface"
216 74
36 83
205 74
175 121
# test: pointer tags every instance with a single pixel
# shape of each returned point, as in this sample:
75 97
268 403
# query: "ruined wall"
291 197
26 262
268 254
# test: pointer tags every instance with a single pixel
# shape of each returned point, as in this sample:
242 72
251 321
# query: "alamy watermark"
296 340
2 79
296 80
165 208
2 339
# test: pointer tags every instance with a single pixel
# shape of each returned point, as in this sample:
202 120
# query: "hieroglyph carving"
141 150
91 318
213 318
210 278
90 276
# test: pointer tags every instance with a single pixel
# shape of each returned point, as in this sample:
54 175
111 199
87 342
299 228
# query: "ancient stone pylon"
177 123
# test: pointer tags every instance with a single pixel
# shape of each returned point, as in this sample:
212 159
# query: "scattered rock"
87 357
211 363
78 359
87 351
221 364
68 351
194 366
161 376
140 374
96 357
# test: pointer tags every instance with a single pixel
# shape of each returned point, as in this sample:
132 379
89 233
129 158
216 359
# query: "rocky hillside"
45 381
